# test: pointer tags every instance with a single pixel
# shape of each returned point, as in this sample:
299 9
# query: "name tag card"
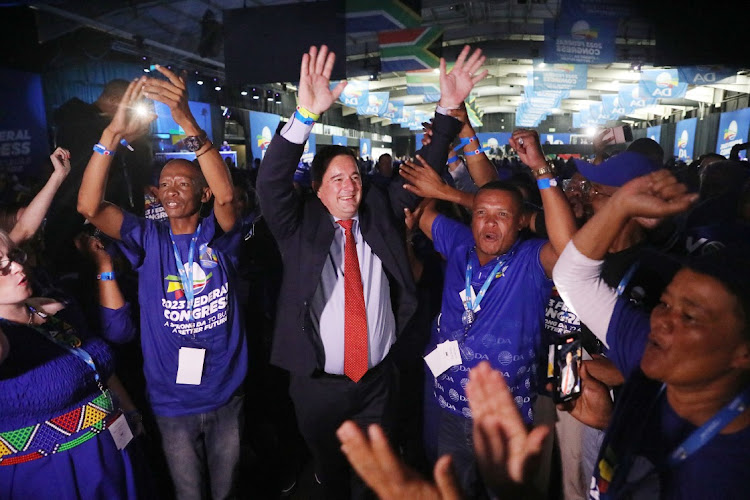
121 432
190 365
443 357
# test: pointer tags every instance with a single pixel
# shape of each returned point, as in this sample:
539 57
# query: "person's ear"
741 357
206 195
316 187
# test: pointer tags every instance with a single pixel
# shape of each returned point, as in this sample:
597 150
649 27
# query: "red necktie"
355 314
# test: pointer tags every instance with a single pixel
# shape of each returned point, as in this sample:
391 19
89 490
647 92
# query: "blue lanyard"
627 277
186 276
468 304
707 431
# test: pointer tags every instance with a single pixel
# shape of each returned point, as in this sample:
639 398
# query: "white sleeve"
295 131
591 299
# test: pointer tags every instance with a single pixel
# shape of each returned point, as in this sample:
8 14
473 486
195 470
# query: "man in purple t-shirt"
194 347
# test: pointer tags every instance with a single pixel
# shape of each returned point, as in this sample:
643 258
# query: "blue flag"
662 83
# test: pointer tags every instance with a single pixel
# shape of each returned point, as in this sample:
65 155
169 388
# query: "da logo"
200 279
582 31
208 258
364 149
264 139
730 133
638 99
491 143
683 141
352 95
665 84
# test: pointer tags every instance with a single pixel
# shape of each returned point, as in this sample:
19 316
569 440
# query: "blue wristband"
300 117
125 143
475 152
109 276
546 183
99 148
452 159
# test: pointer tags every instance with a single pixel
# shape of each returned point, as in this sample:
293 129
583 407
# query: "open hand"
315 93
391 479
506 451
173 93
132 118
456 84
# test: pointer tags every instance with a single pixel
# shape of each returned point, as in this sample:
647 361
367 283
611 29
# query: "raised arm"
173 93
480 167
558 217
127 124
31 217
275 191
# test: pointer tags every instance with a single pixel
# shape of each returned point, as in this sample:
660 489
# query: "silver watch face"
193 143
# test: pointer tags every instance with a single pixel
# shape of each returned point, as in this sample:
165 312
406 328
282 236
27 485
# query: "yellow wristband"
307 113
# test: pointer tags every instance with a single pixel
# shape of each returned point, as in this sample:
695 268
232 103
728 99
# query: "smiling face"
181 189
341 187
696 333
495 223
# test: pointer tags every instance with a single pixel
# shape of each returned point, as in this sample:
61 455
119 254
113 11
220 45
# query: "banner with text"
394 110
733 129
376 104
633 97
662 83
24 146
684 139
707 75
355 93
365 148
560 76
262 128
580 39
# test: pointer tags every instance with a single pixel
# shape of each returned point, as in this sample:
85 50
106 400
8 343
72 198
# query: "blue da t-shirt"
165 324
644 430
507 330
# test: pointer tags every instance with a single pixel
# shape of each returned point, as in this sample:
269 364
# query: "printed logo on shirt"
200 279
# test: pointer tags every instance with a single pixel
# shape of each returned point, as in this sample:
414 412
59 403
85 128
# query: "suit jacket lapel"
375 237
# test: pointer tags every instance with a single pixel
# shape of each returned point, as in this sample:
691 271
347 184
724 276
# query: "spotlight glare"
141 110
590 131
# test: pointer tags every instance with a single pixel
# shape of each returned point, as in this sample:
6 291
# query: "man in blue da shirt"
495 291
194 347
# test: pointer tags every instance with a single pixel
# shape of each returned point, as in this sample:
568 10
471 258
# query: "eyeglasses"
16 255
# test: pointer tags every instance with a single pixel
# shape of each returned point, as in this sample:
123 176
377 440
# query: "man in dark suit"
347 293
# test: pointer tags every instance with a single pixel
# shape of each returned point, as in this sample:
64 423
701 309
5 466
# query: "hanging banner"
394 110
424 83
24 146
475 114
379 15
262 128
654 133
309 152
707 75
407 114
560 76
611 106
580 39
376 104
410 49
338 140
365 148
684 139
662 83
596 114
633 97
733 129
355 93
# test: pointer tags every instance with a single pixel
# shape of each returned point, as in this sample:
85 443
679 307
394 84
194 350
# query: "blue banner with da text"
684 139
733 130
262 128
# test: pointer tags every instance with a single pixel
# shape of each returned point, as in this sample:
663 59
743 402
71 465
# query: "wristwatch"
194 142
549 169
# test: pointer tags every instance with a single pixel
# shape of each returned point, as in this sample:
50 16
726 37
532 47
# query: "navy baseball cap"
618 169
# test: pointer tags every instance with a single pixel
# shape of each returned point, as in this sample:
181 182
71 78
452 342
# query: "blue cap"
618 169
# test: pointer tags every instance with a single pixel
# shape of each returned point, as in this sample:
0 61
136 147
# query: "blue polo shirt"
507 329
